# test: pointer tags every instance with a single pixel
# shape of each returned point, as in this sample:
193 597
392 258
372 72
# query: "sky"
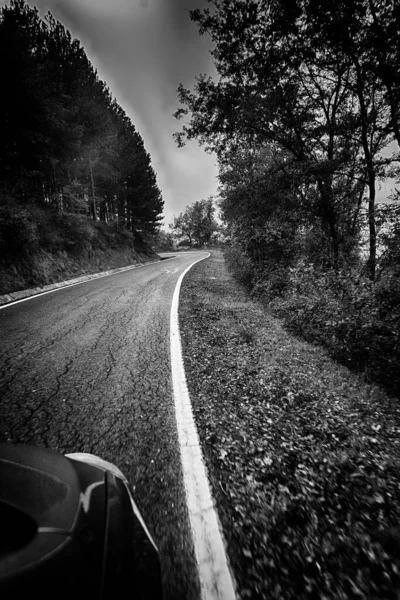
143 49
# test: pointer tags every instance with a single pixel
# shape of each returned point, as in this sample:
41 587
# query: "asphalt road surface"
87 369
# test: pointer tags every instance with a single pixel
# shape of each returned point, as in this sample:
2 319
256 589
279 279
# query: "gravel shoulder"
303 456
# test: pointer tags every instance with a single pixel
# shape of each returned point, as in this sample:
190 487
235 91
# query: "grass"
303 456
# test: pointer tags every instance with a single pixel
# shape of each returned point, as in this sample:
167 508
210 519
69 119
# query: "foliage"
18 232
389 238
66 143
301 85
162 241
26 229
357 321
240 265
196 225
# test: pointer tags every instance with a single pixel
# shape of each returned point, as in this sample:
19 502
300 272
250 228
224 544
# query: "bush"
50 228
26 229
240 265
18 232
78 230
271 284
349 319
356 320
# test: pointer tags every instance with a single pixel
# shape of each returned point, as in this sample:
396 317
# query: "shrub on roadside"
349 319
240 266
356 320
272 285
78 230
25 229
18 232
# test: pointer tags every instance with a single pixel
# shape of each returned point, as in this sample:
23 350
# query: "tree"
23 112
196 224
286 82
66 143
260 205
351 31
162 241
268 98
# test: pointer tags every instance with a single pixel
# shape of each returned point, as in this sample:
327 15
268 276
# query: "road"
87 369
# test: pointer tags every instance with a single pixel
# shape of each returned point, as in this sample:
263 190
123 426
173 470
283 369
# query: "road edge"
23 295
216 579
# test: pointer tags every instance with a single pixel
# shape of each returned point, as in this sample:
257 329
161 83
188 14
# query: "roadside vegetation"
196 226
303 116
39 246
71 161
357 320
303 454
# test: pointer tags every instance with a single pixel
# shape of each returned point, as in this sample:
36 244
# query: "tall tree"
23 113
66 142
196 224
284 80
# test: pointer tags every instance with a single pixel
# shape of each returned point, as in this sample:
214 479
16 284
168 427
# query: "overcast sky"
143 49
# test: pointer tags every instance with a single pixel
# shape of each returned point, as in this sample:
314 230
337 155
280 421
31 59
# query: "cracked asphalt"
87 369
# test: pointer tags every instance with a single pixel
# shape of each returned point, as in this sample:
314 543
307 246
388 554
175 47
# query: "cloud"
106 8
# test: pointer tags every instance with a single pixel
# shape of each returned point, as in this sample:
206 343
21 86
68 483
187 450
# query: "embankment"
42 247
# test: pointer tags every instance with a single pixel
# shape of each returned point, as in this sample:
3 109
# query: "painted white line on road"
168 271
90 277
216 580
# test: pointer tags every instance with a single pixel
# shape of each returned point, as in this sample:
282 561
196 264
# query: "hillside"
39 246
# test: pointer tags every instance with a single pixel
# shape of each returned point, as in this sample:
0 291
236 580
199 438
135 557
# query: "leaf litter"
303 455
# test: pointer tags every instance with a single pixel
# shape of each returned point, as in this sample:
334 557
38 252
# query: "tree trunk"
370 171
372 225
94 209
328 217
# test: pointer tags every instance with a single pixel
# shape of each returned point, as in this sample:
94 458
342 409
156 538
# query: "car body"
70 528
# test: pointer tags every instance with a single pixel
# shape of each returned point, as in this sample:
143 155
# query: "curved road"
87 369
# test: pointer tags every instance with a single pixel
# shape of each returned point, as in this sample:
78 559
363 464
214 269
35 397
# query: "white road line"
65 284
216 580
